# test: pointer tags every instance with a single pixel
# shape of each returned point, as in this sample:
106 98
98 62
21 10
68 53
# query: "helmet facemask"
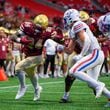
70 16
66 23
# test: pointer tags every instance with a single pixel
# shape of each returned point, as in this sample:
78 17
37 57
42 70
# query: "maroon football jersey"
34 47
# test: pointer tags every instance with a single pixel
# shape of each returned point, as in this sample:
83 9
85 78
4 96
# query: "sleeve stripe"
77 27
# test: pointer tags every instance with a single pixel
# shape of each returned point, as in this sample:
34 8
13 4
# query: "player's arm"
17 36
70 47
14 37
20 37
22 40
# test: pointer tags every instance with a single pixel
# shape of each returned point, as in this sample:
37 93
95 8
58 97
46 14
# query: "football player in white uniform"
104 24
91 56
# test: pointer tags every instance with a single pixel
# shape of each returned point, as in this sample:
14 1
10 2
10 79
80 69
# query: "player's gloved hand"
25 40
77 57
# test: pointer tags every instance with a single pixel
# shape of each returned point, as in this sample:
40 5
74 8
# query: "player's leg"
28 64
22 86
68 83
58 64
86 63
68 80
8 63
94 73
21 77
12 68
40 69
37 87
65 64
30 70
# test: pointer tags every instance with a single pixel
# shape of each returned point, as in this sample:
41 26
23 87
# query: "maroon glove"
24 40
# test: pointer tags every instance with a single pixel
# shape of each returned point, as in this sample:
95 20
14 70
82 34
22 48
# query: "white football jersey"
77 27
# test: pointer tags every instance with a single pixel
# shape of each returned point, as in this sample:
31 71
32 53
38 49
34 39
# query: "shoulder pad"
78 26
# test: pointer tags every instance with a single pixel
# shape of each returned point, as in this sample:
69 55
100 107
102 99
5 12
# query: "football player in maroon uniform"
30 36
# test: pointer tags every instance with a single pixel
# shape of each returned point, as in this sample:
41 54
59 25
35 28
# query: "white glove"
77 57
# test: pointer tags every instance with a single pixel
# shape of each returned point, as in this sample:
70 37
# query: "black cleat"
64 101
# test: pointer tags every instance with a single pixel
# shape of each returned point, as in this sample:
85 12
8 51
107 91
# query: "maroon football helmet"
30 28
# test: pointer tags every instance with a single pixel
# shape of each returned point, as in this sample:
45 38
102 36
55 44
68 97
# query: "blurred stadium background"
12 14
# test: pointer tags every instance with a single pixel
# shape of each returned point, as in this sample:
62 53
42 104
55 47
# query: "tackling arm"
70 47
20 39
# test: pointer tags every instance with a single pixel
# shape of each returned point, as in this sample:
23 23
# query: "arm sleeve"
78 26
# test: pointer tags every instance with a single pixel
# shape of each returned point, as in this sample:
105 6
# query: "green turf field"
81 96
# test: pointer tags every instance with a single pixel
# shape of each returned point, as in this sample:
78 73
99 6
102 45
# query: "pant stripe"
86 61
92 61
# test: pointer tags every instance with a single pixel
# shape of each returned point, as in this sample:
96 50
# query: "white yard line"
74 93
44 83
2 89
